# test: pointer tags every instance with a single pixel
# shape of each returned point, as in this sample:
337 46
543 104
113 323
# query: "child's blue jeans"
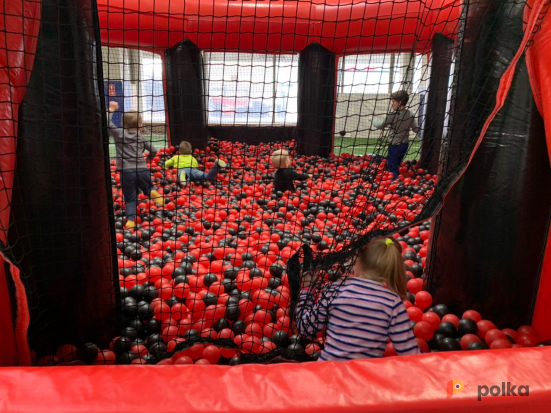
396 154
194 174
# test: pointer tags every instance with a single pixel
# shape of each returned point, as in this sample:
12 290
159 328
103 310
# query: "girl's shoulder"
370 287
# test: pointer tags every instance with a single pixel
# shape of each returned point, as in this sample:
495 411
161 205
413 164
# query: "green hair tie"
389 242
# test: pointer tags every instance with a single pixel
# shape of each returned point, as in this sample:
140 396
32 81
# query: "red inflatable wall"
341 26
537 60
398 384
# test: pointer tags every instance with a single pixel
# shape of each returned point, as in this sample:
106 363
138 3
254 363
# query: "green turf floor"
367 146
342 145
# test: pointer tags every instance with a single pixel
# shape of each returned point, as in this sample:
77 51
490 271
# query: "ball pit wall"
398 384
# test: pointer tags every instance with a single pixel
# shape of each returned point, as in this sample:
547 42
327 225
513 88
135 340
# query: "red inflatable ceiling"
344 27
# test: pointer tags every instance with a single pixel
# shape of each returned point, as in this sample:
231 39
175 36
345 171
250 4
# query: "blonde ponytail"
382 260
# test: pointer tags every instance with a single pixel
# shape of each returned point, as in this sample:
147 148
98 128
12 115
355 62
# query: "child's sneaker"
155 196
130 225
182 177
221 163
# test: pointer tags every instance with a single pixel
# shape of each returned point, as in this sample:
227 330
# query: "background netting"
221 262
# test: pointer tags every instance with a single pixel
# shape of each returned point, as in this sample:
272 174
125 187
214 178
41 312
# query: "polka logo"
455 386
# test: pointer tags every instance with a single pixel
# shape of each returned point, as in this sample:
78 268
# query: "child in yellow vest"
187 165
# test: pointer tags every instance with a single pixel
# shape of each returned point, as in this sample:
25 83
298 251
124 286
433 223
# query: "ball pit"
211 264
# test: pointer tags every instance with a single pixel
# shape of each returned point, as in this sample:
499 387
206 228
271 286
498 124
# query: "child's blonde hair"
280 158
382 260
185 148
131 120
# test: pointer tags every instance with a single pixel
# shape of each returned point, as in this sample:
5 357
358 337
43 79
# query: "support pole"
185 95
442 53
316 100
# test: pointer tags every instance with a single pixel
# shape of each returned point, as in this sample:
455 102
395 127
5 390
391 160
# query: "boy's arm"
150 148
170 163
415 126
381 123
113 130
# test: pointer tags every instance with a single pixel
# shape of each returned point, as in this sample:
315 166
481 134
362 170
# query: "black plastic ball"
467 326
448 329
441 310
280 338
122 344
477 346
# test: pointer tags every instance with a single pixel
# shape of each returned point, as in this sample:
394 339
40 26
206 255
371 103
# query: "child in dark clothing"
400 121
284 176
131 164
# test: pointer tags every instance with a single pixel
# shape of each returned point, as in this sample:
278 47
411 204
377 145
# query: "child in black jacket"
284 176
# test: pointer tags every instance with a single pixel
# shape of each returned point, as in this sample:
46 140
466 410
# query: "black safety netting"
136 248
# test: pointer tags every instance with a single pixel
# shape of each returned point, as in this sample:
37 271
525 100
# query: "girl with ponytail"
363 311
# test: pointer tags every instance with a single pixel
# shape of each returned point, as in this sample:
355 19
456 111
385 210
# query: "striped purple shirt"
360 315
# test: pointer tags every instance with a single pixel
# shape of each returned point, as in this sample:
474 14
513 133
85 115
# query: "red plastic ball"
451 318
195 351
202 362
423 300
526 330
212 354
473 315
183 360
66 353
483 327
468 339
228 353
415 314
494 334
389 350
511 333
432 319
415 285
105 357
500 343
423 330
423 346
527 340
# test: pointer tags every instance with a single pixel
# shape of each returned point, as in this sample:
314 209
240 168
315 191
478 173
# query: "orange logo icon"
455 386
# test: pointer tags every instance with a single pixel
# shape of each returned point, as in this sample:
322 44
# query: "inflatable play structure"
212 276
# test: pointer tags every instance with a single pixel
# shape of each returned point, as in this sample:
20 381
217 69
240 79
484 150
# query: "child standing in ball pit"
285 175
187 165
134 173
365 310
400 121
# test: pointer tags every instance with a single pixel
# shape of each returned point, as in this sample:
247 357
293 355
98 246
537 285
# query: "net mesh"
208 251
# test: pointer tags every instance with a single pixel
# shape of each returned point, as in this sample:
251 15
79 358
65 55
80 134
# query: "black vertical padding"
184 94
488 240
61 227
442 53
316 100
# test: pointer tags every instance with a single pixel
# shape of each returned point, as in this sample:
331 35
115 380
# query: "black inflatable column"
442 52
61 230
316 100
184 94
489 239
